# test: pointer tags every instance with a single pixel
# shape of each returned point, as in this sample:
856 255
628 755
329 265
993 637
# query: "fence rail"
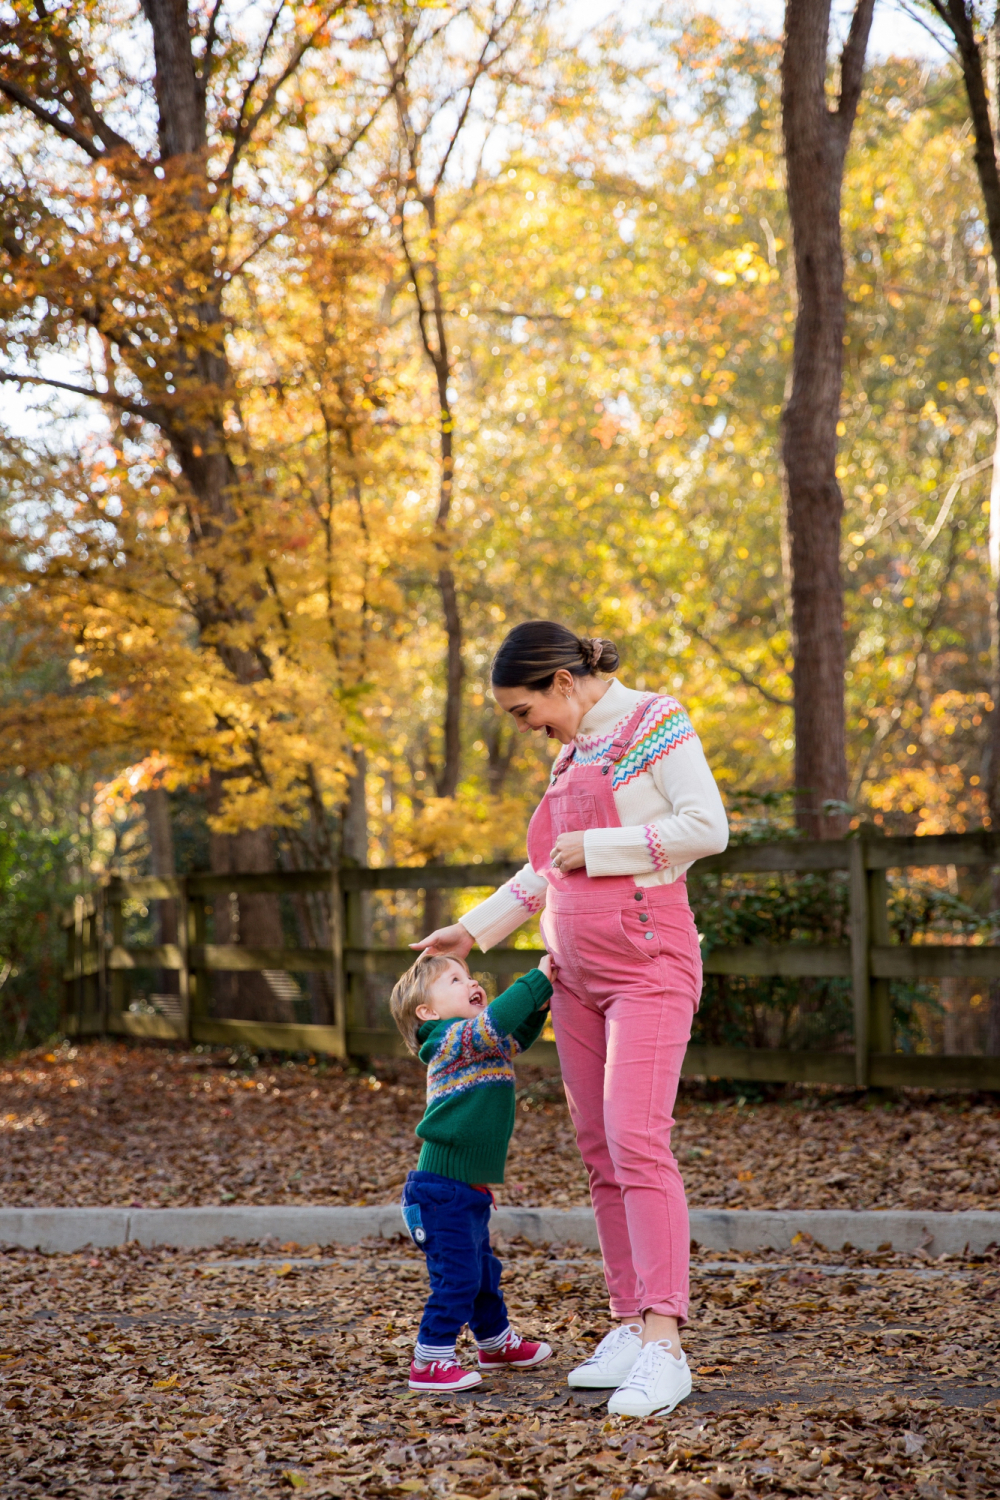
99 961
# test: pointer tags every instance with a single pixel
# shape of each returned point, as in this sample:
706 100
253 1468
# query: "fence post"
881 1035
339 972
194 911
66 1002
101 957
354 937
860 958
116 977
90 986
78 954
184 972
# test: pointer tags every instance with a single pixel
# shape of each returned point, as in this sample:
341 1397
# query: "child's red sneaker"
517 1353
442 1375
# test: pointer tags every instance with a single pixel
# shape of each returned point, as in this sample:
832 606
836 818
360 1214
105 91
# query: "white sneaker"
657 1382
610 1362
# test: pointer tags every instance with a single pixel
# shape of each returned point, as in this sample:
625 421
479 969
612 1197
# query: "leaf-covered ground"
136 1125
271 1371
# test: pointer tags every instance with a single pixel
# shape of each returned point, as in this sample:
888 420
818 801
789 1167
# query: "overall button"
638 895
644 916
648 936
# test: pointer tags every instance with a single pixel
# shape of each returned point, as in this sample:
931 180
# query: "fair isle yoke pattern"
663 727
470 1054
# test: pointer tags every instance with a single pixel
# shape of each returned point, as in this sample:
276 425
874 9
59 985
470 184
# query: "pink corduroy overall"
626 984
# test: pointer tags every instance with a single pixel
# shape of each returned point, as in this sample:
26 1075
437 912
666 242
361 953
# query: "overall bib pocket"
570 811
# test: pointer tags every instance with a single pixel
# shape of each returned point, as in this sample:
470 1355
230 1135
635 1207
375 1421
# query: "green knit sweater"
469 1119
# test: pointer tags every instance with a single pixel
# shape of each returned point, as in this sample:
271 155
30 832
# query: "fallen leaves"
173 1373
157 1373
99 1123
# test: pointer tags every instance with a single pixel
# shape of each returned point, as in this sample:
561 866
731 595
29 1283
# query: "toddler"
467 1045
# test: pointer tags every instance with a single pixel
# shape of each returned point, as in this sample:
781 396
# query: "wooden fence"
99 960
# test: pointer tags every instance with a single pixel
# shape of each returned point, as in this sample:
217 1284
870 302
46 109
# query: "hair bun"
599 654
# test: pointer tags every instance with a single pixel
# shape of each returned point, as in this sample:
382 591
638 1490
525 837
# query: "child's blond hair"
412 990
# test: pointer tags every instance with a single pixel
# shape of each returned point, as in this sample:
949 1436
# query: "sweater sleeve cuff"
540 987
625 851
503 912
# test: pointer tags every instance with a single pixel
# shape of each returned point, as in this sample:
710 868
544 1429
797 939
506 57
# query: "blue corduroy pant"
450 1222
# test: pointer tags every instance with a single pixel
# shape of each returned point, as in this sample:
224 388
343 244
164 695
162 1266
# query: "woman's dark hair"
534 652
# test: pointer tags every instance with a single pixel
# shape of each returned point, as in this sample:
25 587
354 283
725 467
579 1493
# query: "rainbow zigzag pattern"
469 1055
664 726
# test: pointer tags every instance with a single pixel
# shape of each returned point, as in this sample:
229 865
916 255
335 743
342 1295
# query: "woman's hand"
451 942
567 852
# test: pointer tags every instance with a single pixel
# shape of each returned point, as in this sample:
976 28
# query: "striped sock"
490 1346
431 1354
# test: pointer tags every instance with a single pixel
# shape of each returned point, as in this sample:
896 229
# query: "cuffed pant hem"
673 1307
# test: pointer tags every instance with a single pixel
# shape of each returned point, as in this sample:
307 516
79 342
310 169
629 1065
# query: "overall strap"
623 738
564 764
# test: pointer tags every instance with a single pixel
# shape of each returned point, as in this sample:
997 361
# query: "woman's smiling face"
557 711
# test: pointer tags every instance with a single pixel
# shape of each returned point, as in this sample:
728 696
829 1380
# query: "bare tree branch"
211 35
852 63
915 15
959 17
481 68
730 666
332 169
81 94
20 96
906 687
244 131
147 411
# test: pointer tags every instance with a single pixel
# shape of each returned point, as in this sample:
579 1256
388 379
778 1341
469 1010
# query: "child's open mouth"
477 998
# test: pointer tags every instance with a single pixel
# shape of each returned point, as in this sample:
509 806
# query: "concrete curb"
67 1229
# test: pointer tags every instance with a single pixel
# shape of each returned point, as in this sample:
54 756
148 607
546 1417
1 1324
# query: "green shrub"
34 886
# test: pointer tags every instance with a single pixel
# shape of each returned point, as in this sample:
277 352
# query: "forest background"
439 319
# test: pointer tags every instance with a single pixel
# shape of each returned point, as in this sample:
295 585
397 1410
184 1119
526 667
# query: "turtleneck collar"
607 711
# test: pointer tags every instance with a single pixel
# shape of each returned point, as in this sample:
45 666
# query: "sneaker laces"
611 1343
648 1367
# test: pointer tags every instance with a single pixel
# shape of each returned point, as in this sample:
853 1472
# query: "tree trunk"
181 372
354 843
816 139
161 862
959 17
180 103
253 921
196 432
451 765
451 762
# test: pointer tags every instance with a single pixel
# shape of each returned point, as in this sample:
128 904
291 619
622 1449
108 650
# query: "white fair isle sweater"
667 800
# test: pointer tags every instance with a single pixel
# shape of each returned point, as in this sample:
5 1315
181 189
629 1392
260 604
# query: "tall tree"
446 87
816 138
126 243
977 43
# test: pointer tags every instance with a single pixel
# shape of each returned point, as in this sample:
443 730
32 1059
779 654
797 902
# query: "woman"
630 805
